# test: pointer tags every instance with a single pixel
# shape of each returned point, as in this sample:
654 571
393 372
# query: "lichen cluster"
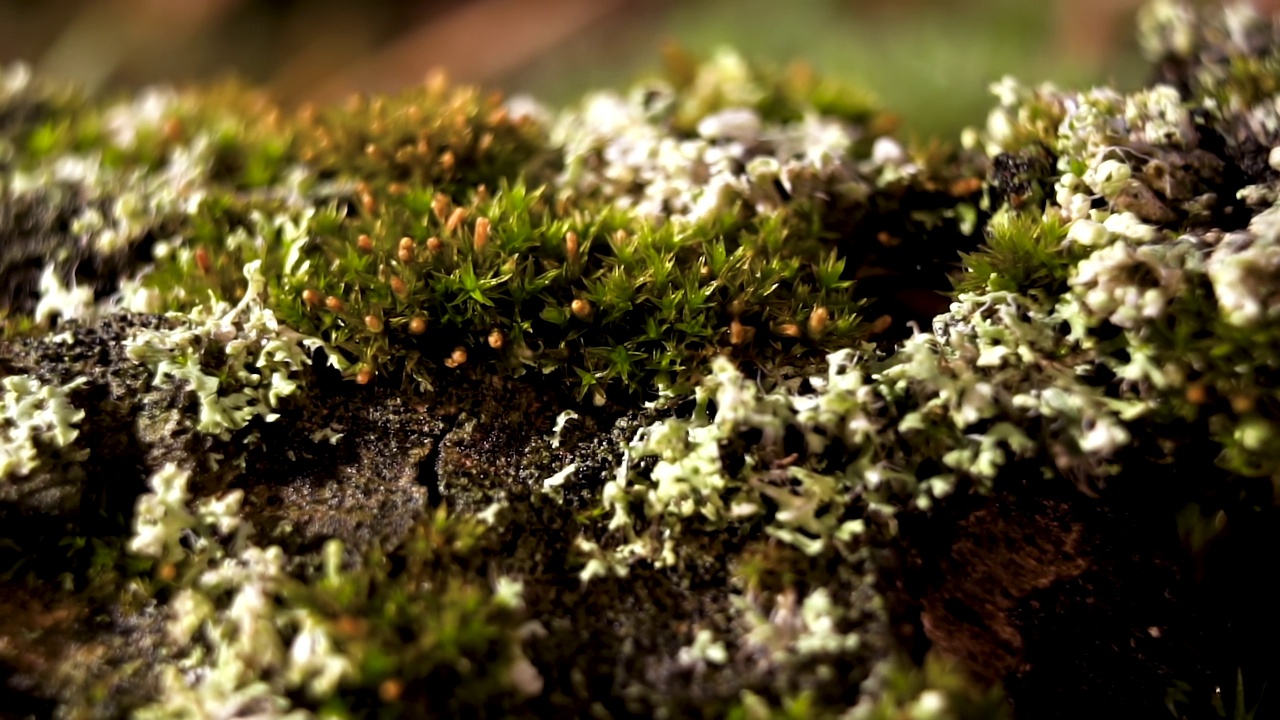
670 365
39 422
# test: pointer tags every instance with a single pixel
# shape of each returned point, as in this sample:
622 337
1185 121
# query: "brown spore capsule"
398 287
173 129
334 303
571 245
818 320
373 322
481 235
581 308
203 261
1197 394
1243 404
457 357
390 690
437 81
417 325
455 219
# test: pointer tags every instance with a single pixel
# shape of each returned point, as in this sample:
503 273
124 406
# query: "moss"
1023 253
379 206
937 690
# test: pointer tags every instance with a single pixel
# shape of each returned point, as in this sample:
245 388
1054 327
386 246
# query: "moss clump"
1023 253
438 228
414 632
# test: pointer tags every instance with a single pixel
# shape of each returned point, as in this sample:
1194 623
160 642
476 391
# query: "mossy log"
707 399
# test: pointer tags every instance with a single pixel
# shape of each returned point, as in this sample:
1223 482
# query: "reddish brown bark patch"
1073 606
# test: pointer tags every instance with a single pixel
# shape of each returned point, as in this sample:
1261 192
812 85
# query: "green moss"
936 691
729 81
380 206
1023 253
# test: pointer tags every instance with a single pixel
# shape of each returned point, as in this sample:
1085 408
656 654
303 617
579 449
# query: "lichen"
39 420
257 359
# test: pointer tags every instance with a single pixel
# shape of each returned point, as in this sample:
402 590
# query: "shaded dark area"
1077 603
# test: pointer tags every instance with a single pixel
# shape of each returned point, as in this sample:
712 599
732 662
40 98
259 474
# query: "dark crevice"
18 702
428 470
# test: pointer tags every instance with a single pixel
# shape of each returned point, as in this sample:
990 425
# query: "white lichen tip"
261 358
161 516
561 420
705 650
509 592
32 415
70 303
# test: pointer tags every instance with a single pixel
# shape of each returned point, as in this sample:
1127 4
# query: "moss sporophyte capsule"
456 358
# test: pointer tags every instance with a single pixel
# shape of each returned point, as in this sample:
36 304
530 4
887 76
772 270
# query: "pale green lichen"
69 303
690 152
35 417
162 517
705 649
260 359
1245 271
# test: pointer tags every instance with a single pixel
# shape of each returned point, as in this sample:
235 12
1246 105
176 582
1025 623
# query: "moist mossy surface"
709 398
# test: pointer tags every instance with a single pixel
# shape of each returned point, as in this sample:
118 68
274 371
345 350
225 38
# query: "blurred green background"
928 60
